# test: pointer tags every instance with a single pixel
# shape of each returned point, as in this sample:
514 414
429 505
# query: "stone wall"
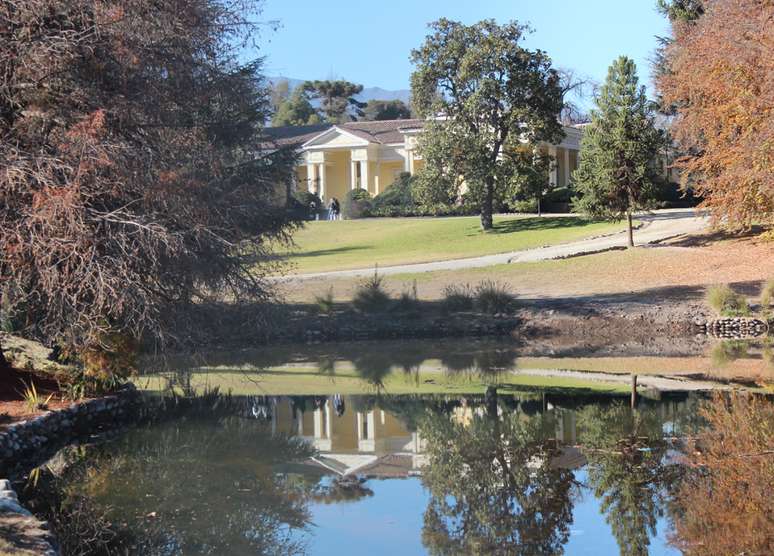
735 328
30 440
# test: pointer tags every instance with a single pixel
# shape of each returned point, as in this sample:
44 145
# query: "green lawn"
308 380
349 244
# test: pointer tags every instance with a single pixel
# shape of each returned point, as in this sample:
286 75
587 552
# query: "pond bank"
21 533
27 442
616 319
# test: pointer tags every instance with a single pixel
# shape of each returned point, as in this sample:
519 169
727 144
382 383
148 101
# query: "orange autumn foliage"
725 505
720 77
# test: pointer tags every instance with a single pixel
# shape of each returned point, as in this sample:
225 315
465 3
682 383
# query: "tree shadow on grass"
317 253
537 224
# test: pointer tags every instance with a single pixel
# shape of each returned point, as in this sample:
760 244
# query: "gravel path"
656 226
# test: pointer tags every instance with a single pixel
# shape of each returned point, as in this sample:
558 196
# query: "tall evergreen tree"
337 99
617 174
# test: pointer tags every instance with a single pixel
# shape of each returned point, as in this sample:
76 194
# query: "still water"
411 448
505 474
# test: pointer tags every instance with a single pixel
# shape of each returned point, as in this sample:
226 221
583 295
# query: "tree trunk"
487 206
631 232
634 392
4 364
540 209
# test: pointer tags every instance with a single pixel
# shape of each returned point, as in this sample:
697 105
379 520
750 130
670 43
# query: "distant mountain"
369 93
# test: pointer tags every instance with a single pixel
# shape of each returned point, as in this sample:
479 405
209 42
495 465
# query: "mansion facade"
371 155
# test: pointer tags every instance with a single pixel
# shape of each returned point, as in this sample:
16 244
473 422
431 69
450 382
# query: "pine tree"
617 174
296 110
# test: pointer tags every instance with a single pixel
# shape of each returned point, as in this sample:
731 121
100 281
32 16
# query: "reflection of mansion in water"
372 442
375 442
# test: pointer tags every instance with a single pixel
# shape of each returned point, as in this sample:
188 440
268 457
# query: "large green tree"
386 110
133 174
617 174
626 471
494 488
482 91
337 99
296 110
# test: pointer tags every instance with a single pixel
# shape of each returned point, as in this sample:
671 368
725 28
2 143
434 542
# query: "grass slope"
349 244
308 380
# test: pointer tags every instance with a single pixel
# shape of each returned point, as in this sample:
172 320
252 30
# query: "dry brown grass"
719 261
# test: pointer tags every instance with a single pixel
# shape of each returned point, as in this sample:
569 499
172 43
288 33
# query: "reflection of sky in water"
590 534
390 522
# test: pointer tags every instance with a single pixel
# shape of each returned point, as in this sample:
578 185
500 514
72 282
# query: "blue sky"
369 42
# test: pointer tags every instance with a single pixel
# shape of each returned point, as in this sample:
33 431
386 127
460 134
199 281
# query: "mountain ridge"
368 93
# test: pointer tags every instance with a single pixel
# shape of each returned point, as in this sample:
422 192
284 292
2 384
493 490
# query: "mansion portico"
371 155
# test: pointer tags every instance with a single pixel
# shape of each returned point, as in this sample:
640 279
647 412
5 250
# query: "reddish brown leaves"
722 80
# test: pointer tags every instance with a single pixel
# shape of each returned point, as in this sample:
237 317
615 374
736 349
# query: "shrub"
324 303
727 302
370 296
397 199
559 195
304 205
458 297
493 297
767 297
727 351
357 204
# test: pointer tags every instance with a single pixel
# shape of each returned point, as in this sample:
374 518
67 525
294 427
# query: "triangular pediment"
336 137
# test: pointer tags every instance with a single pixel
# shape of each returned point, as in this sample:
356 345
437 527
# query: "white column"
327 410
371 426
311 177
407 161
300 421
353 175
566 167
364 174
318 423
322 181
377 178
553 176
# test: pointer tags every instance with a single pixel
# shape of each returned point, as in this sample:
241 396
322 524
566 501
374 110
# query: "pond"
482 465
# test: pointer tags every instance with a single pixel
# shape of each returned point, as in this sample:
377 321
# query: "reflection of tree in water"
492 487
725 505
625 451
488 362
201 486
342 489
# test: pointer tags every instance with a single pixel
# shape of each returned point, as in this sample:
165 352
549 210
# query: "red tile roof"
382 132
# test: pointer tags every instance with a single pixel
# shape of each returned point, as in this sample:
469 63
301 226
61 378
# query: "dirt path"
657 226
674 383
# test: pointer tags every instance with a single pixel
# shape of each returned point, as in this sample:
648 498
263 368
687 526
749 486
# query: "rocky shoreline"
27 442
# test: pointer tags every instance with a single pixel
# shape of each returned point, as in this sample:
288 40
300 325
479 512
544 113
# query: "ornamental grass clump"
32 399
458 297
494 297
767 298
727 302
370 295
324 303
408 302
